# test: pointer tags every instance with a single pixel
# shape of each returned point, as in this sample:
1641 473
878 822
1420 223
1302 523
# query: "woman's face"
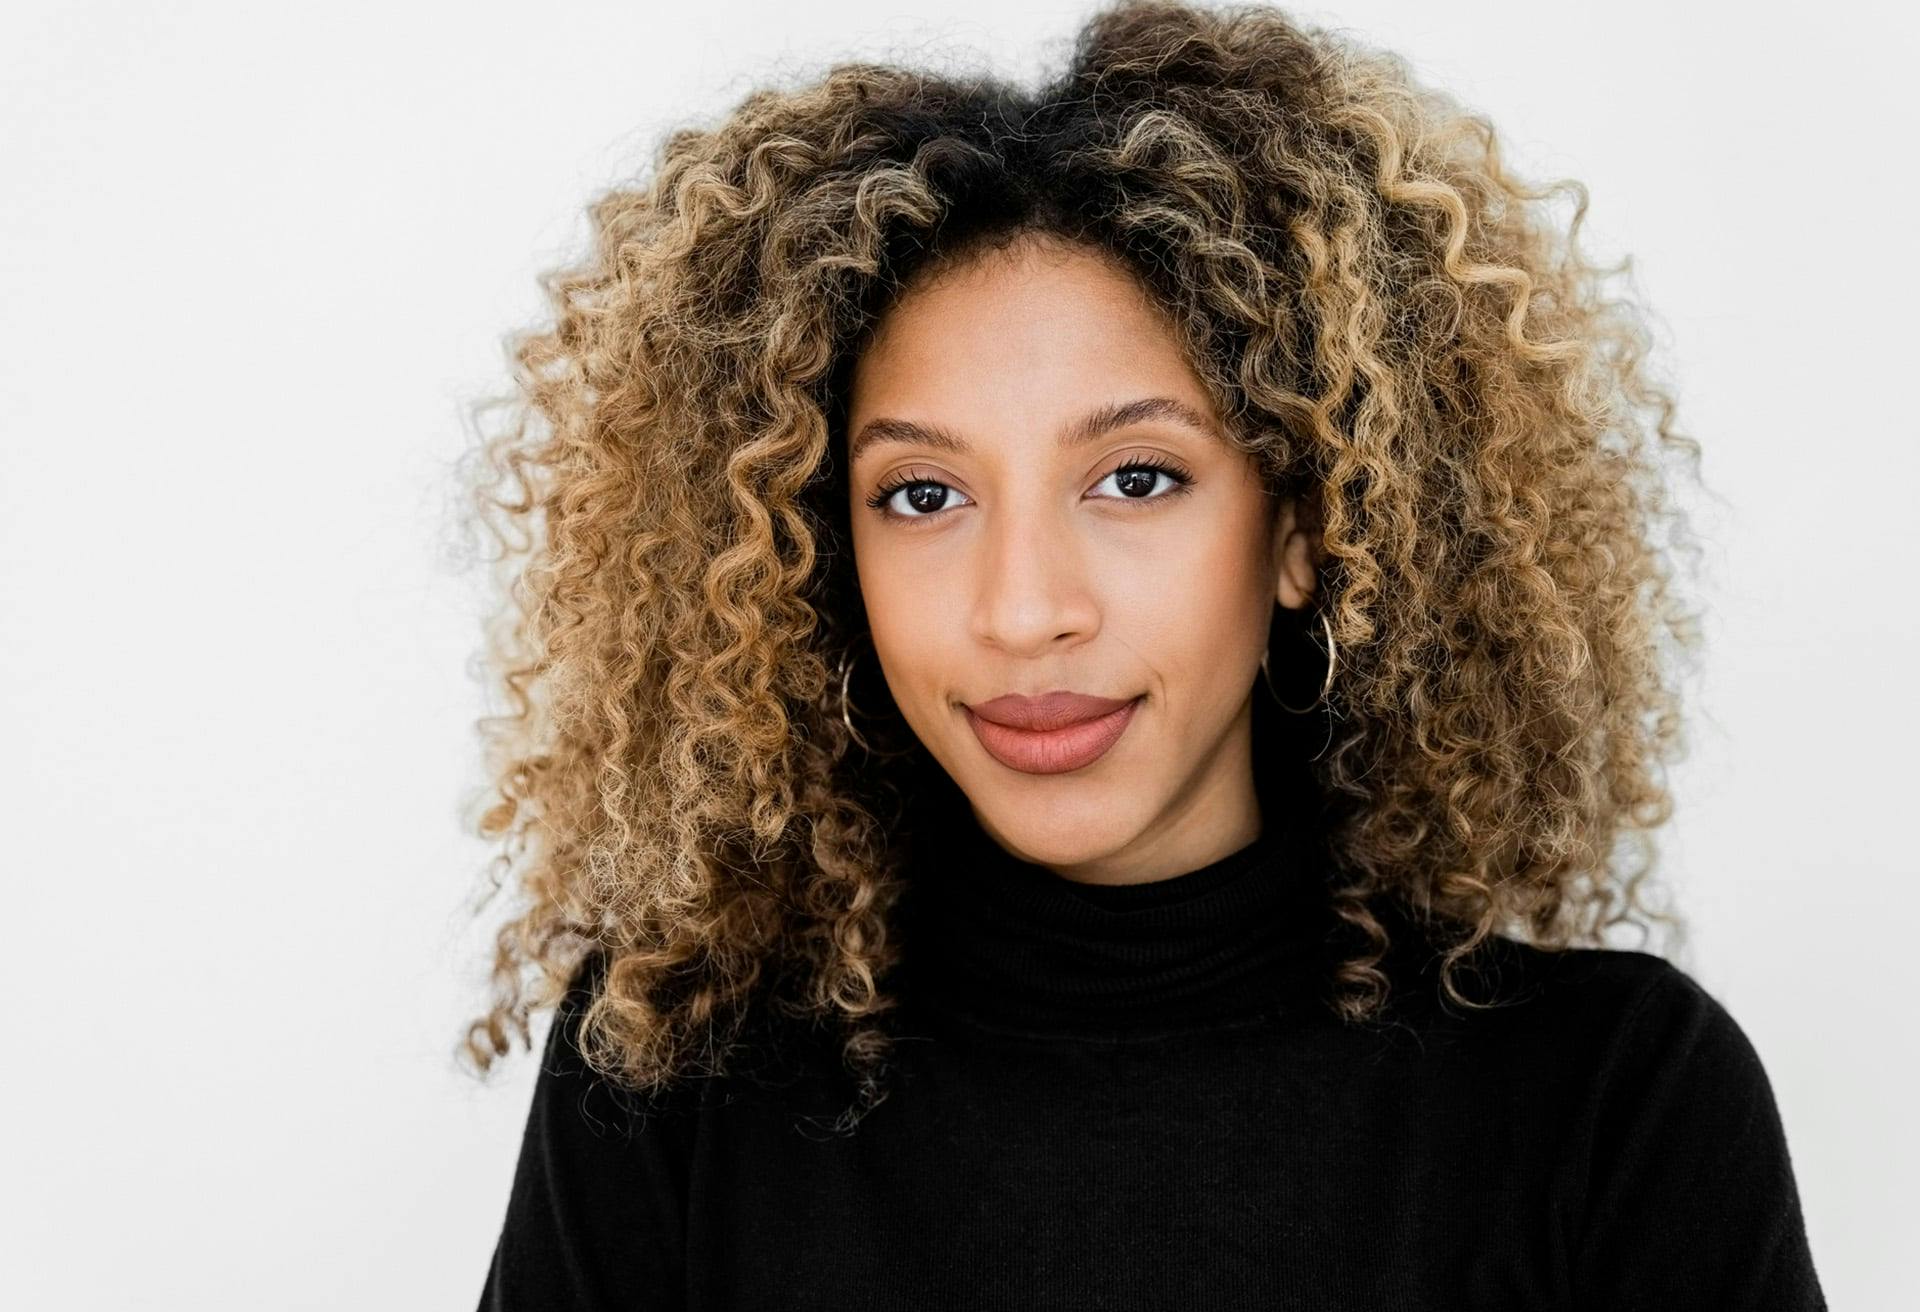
1044 501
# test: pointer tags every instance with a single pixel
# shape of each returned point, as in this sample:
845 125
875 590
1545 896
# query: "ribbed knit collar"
1010 944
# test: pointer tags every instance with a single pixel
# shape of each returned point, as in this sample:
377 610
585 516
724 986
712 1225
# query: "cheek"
1197 606
879 590
908 629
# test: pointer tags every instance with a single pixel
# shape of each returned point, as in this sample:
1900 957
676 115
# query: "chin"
1057 830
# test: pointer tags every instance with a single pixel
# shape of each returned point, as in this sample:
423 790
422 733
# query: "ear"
1296 550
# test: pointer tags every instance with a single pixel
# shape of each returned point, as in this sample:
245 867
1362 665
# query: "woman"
1085 668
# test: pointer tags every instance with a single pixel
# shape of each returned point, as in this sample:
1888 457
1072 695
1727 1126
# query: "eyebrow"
1118 414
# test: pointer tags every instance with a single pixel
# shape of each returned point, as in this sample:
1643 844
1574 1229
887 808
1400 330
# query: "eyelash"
1182 480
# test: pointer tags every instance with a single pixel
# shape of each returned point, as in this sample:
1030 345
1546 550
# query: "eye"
926 497
1137 477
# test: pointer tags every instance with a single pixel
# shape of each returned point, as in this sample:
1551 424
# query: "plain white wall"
258 257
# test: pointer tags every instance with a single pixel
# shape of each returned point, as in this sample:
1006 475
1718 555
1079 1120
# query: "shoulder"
767 1060
1674 1157
1656 1064
587 1102
1680 1164
1599 991
1649 1010
596 1207
1675 1051
1617 1020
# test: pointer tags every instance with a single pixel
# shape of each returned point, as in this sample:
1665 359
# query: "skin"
1028 564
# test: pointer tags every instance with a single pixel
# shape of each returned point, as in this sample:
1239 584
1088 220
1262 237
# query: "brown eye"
925 497
1137 479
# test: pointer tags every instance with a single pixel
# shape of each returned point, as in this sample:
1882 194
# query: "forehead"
1026 336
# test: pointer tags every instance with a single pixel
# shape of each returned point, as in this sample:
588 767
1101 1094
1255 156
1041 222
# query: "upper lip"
1054 710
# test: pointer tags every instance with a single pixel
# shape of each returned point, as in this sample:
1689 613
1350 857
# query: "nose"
1032 589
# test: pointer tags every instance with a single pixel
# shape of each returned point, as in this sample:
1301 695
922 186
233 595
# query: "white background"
258 258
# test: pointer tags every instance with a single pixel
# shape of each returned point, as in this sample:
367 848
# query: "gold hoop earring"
846 677
845 673
1333 661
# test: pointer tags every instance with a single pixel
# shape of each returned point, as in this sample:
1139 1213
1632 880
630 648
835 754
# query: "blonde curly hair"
1389 319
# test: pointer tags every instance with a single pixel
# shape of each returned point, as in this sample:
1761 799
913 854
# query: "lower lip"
1052 751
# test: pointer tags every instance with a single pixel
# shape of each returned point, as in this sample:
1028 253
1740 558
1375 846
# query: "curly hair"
1393 324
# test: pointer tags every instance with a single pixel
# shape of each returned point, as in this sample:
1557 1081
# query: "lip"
1053 734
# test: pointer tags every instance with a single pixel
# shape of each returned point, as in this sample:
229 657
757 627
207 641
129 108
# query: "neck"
1008 943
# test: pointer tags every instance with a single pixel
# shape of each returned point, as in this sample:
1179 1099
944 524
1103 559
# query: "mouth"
1050 736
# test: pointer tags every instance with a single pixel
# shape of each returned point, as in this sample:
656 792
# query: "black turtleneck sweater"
1133 1097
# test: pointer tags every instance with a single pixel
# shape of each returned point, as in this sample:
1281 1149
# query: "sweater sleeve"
595 1217
1691 1200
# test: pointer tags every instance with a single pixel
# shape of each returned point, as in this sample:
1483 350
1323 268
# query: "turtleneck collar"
1010 944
